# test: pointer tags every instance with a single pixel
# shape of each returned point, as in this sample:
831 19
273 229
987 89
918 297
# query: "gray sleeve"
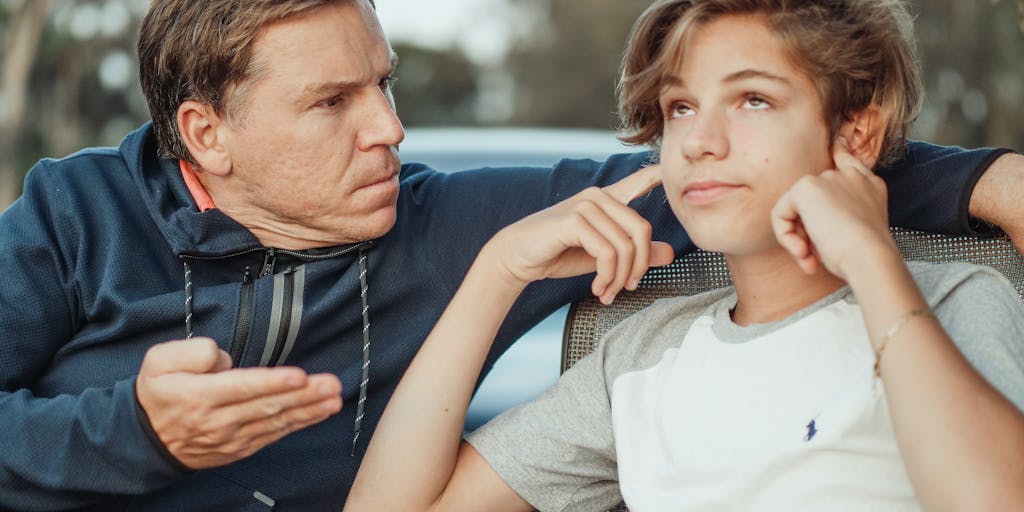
558 452
984 315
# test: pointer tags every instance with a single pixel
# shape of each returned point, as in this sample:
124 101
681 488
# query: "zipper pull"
268 263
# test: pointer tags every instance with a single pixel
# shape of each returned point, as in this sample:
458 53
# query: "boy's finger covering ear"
844 159
635 185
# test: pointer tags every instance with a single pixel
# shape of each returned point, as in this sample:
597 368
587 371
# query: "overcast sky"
480 27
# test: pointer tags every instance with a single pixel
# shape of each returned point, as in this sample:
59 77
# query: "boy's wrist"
871 262
491 265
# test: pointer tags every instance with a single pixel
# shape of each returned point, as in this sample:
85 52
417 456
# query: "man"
265 208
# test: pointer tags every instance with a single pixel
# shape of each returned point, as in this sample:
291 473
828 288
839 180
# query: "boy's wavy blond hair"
855 52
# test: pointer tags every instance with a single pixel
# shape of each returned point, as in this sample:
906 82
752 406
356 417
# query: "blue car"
531 365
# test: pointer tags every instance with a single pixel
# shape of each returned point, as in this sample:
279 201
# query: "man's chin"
377 224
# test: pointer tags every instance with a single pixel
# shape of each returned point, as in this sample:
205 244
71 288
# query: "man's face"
742 125
314 149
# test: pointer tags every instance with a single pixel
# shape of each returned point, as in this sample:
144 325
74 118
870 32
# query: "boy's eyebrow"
339 87
747 74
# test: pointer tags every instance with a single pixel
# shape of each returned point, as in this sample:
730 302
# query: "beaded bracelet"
891 331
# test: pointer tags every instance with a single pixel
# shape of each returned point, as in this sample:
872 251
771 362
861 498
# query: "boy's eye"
756 103
680 110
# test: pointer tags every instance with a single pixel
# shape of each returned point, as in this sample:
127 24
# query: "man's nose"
381 126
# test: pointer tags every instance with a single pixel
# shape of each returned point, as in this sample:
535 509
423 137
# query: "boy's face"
742 124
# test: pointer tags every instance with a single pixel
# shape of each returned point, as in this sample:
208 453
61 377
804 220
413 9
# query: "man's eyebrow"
329 88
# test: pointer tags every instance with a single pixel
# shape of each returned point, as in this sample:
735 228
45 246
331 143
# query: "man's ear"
865 133
201 129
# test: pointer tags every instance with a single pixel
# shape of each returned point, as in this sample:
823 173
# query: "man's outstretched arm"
998 195
946 189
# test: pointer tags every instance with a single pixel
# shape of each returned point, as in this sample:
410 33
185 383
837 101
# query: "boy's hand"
594 230
836 218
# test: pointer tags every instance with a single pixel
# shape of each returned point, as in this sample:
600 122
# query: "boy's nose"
706 138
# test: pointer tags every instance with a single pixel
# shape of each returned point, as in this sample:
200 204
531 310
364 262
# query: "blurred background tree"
68 76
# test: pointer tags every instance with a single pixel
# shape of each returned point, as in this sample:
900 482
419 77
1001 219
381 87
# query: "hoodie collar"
199 194
187 229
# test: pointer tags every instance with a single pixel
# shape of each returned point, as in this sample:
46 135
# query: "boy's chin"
733 242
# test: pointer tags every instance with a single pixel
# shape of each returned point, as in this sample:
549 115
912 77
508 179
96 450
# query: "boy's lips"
707 192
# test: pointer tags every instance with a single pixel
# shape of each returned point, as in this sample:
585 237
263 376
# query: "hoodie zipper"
268 263
244 324
286 317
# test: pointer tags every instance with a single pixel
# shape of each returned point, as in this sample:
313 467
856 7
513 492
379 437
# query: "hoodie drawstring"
188 300
365 380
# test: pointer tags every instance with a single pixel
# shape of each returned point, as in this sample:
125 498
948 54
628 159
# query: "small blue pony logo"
811 430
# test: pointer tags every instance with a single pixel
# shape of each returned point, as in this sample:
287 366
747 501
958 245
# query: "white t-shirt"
680 409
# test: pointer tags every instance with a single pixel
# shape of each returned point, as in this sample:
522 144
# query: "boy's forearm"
950 423
413 451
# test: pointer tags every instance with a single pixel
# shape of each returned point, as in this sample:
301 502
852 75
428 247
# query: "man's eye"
387 82
332 102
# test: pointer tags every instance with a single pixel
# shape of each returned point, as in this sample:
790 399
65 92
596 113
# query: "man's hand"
998 195
209 415
835 217
592 231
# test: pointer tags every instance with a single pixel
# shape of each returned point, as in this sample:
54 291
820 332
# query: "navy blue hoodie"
93 260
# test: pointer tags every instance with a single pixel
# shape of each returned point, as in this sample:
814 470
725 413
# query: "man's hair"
855 52
202 51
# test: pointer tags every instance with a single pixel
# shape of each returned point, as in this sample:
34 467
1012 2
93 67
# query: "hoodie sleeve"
456 214
69 450
930 187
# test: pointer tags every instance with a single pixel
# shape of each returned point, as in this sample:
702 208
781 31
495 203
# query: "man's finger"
320 389
198 355
635 185
292 419
244 384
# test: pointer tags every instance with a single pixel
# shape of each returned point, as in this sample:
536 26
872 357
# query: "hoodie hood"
187 230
